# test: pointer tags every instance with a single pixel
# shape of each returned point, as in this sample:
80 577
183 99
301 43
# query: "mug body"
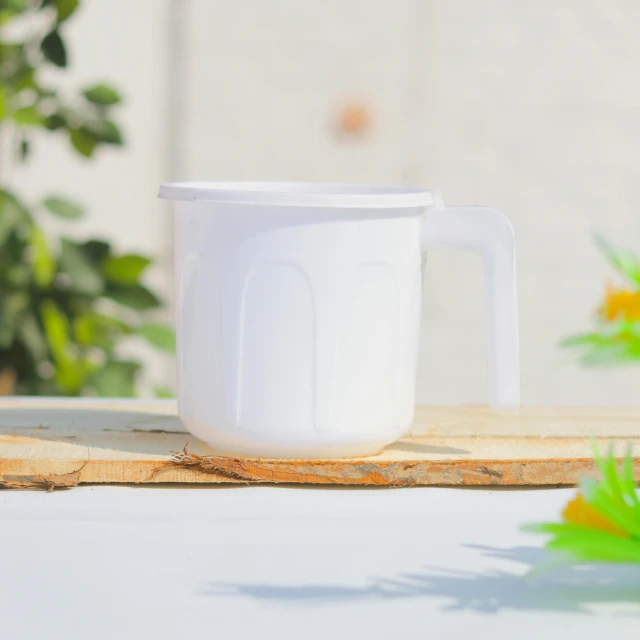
297 326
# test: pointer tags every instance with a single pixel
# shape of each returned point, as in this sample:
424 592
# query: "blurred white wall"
529 107
534 108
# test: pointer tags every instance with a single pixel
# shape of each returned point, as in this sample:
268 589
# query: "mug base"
227 448
245 443
301 453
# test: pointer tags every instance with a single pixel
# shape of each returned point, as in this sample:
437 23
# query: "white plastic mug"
298 311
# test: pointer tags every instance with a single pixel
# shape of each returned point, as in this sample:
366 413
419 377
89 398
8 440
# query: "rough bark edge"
186 468
458 473
232 468
47 483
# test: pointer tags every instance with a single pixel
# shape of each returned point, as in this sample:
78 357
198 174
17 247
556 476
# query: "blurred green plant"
616 337
602 523
65 306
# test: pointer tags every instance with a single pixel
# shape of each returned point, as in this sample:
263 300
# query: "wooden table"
50 443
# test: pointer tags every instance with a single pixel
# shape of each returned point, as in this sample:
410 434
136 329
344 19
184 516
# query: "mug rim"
301 194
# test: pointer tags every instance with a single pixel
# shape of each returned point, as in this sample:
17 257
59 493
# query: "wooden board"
50 443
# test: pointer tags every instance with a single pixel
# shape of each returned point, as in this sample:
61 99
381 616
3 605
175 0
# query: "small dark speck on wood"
490 472
177 433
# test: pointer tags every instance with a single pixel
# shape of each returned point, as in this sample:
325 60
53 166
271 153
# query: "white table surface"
285 562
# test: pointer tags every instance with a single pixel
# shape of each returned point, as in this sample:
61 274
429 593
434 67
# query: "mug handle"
489 233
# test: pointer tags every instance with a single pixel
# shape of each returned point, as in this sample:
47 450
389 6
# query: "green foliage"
116 379
42 262
136 297
53 49
616 338
63 208
163 392
159 336
125 269
104 131
603 524
612 344
624 261
27 116
29 103
65 8
66 306
102 94
83 141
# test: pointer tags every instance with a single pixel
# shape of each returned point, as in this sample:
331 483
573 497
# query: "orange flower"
620 303
578 511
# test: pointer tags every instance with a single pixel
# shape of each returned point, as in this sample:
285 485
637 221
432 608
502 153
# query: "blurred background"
531 108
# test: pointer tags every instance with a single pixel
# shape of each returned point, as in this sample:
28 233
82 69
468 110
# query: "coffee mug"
298 311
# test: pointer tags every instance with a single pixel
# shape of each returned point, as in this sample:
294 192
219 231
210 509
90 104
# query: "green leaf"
31 334
98 330
11 308
74 261
55 121
610 479
63 208
610 506
10 9
594 546
76 303
83 141
1 103
65 8
70 372
628 481
55 328
583 340
125 269
14 5
102 94
588 544
23 78
116 379
13 57
134 297
163 392
607 355
28 116
45 92
42 261
624 261
159 336
623 328
53 49
85 331
105 131
614 497
70 376
17 275
615 343
97 251
12 213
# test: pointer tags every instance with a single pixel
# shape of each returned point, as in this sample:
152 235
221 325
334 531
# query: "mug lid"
300 194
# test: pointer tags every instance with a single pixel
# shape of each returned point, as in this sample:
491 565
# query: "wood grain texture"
61 443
